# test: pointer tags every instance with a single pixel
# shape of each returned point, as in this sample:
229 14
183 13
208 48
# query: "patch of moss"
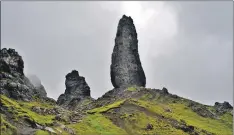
132 89
38 103
227 118
215 126
84 102
106 108
97 124
23 110
219 127
6 127
137 125
87 101
41 132
125 115
146 97
60 131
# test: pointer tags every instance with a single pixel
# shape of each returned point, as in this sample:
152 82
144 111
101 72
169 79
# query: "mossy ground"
158 105
132 88
22 110
6 127
97 124
42 132
107 107
129 116
180 111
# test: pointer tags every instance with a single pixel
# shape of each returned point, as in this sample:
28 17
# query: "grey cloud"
34 80
202 66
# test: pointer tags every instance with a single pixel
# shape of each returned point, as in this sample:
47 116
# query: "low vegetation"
148 114
22 110
97 124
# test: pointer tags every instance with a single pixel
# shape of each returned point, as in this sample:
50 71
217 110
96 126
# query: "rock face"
222 107
13 82
76 89
11 62
126 69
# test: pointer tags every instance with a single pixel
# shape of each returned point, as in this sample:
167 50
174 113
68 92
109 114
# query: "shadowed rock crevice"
126 69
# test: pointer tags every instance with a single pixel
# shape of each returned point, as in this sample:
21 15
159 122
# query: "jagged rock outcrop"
126 69
11 62
13 82
76 89
38 86
222 107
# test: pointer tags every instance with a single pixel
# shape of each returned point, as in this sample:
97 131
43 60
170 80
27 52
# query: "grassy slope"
127 116
20 112
20 109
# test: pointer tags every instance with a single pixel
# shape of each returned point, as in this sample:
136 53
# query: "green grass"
97 124
146 97
29 105
23 110
131 88
6 127
106 108
136 124
181 112
227 118
42 132
146 110
211 125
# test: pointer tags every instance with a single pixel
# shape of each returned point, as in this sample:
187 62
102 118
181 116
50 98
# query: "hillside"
128 109
133 111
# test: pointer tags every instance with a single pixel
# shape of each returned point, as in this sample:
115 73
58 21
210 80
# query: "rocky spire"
126 69
76 88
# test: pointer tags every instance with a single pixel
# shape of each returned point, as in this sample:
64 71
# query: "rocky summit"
128 109
13 82
11 62
126 69
76 89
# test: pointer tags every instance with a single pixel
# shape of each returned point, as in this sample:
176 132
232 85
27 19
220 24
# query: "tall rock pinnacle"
126 69
76 89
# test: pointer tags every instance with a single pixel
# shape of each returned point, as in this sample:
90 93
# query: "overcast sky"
184 46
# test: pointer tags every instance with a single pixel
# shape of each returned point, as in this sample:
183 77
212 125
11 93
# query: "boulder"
223 107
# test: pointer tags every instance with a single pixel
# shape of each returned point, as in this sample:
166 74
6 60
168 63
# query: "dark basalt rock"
165 91
126 69
201 110
223 107
76 88
13 82
11 62
149 127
